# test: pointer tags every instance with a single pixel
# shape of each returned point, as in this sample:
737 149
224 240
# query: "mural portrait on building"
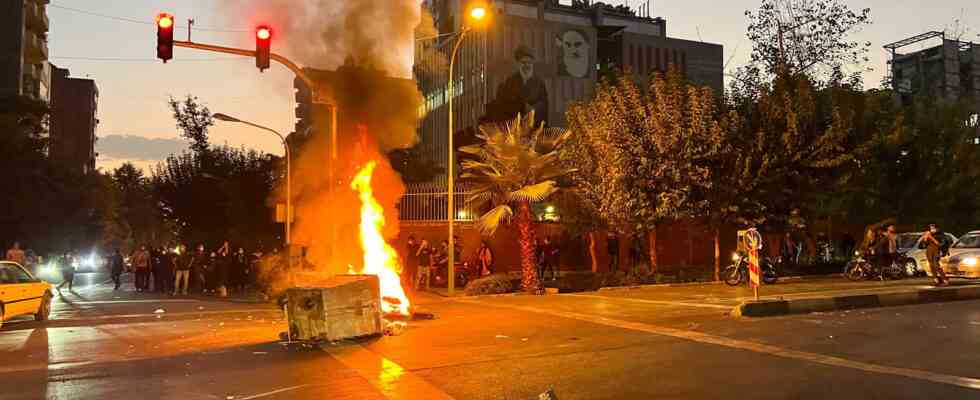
521 92
575 52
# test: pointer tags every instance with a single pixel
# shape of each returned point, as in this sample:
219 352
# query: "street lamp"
285 146
477 14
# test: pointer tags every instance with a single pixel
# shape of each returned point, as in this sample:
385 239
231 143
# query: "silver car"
908 243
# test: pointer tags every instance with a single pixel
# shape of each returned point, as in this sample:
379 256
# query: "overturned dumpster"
341 307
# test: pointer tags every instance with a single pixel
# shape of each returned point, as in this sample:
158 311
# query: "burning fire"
379 257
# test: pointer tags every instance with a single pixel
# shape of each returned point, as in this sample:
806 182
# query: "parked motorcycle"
738 272
861 268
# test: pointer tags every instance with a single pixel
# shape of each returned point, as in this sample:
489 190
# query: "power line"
139 21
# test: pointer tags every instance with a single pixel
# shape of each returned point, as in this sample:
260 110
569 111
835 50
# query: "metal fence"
427 203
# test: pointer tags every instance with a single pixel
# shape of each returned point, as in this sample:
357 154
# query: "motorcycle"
463 271
737 273
861 268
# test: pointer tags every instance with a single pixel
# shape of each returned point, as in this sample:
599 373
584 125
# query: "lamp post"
285 146
476 13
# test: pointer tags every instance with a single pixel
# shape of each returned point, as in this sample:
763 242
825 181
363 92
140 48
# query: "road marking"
132 301
965 382
163 315
393 381
658 302
277 391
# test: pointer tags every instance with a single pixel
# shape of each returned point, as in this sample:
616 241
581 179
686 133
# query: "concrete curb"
662 285
770 308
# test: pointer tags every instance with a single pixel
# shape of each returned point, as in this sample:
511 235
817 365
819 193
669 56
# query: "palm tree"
515 165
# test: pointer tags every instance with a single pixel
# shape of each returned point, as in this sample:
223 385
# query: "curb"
662 285
770 308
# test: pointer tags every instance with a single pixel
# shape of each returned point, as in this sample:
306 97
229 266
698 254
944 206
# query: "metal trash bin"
342 307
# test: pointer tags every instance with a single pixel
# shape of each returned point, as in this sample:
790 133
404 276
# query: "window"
11 273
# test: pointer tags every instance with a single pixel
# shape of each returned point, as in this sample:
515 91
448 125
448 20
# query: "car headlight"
735 257
47 269
857 252
970 261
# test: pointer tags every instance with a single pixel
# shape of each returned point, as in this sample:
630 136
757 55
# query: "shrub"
493 284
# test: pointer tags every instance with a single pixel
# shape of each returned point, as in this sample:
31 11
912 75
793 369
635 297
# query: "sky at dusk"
134 87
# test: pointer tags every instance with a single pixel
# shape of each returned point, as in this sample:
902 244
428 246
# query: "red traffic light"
263 33
165 36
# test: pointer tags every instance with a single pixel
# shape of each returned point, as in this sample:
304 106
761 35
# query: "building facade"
24 68
541 55
949 70
74 120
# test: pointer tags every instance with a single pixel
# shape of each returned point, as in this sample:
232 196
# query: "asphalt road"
656 343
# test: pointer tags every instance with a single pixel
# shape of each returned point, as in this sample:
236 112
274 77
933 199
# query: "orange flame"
379 257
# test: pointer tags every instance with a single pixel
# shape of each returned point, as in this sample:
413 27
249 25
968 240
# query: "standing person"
116 266
935 242
411 262
554 257
199 268
880 250
547 252
141 267
787 248
442 257
15 254
847 245
239 274
636 252
539 258
222 266
182 272
67 266
612 246
151 275
484 257
426 260
163 277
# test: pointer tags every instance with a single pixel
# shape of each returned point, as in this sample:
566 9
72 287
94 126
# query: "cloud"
138 148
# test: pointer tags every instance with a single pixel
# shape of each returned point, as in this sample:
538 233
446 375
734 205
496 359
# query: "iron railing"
426 203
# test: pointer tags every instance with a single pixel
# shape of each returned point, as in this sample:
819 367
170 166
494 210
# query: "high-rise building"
24 68
542 55
74 120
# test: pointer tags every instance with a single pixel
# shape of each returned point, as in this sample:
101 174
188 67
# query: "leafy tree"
516 164
193 119
139 211
646 154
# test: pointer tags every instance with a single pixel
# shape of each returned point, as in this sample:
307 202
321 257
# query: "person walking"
239 274
182 272
484 257
15 254
612 247
141 267
426 259
116 266
549 256
935 242
67 266
411 263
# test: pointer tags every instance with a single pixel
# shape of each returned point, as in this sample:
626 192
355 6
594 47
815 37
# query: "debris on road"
159 311
395 328
502 337
259 353
548 395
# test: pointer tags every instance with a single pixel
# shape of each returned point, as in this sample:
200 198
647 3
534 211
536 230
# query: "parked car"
22 294
963 265
908 244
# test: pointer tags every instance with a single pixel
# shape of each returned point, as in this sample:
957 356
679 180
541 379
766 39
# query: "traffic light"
165 37
263 47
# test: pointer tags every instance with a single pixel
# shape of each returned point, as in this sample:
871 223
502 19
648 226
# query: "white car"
22 294
908 243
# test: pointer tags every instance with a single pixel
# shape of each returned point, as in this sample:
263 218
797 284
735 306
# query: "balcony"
36 16
35 48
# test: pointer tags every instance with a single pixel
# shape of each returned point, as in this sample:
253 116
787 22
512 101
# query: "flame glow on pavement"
379 257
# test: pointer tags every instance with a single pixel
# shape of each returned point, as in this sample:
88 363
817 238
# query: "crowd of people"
179 272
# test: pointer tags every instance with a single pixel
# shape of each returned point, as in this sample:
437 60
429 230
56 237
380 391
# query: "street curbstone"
769 308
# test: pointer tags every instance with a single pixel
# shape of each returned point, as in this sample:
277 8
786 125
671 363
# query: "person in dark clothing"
936 245
539 258
151 277
427 260
522 92
636 252
239 274
879 248
140 261
847 245
411 263
612 246
67 266
222 266
548 253
484 258
116 266
200 264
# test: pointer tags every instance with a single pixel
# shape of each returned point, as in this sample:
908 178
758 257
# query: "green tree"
193 119
645 155
516 164
139 211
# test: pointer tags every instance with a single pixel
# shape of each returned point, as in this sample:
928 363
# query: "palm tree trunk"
529 281
717 232
592 253
652 242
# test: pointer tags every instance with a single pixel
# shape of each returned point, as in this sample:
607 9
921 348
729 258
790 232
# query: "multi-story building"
542 55
950 69
74 120
24 68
